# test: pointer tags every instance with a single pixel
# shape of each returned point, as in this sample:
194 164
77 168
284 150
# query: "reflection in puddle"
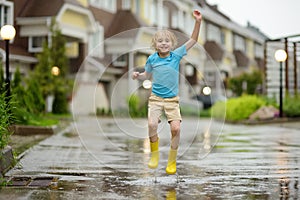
171 194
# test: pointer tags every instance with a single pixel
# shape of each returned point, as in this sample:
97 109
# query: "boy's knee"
152 124
175 128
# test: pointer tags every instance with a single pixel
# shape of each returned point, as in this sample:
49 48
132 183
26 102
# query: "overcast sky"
275 18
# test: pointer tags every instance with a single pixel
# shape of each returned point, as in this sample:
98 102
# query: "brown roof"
105 18
124 20
40 8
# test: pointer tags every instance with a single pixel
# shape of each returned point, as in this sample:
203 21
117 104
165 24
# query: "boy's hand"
135 75
197 15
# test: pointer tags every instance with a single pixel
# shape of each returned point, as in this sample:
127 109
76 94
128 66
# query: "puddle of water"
198 184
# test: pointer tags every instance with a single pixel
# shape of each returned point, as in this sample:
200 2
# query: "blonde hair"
164 33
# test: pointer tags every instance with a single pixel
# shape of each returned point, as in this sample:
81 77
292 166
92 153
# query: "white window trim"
118 63
98 48
166 17
10 17
240 43
126 4
31 48
175 19
108 5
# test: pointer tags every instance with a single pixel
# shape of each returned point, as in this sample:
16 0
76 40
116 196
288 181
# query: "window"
6 13
174 19
214 33
222 38
181 19
137 7
239 43
258 50
154 12
95 42
166 17
126 4
120 60
146 8
36 43
189 23
105 4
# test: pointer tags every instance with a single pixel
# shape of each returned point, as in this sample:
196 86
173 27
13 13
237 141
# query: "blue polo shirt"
165 72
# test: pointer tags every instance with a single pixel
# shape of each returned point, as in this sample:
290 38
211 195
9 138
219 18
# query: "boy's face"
163 45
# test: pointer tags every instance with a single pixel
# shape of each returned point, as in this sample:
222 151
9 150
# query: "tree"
62 84
252 81
53 55
58 51
20 108
42 71
34 97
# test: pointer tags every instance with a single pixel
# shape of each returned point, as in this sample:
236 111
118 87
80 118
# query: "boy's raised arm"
194 37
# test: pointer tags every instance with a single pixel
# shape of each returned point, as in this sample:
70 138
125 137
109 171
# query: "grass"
48 119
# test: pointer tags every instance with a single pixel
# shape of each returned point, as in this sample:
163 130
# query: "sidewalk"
292 125
107 159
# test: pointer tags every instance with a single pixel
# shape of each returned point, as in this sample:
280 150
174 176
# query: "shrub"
2 81
291 106
5 118
253 80
135 110
218 110
241 108
60 103
19 108
133 105
34 98
103 112
237 108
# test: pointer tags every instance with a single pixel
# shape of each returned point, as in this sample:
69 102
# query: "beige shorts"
170 106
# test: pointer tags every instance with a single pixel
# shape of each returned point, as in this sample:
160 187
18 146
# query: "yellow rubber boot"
153 163
171 167
171 195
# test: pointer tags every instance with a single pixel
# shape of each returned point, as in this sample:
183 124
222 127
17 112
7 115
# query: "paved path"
98 158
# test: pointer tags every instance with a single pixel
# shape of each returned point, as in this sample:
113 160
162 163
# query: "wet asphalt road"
98 158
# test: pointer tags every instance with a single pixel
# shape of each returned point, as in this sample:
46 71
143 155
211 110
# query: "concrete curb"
7 160
32 130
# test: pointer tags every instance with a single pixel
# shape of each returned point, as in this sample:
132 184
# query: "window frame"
118 60
33 49
238 44
6 17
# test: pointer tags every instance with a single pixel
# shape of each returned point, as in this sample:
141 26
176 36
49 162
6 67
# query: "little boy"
163 65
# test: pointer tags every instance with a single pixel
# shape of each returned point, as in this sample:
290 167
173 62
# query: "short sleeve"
180 51
148 66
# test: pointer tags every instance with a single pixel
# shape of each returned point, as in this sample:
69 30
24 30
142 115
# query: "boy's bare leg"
175 131
152 130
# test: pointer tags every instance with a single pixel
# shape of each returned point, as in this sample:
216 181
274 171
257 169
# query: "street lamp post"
7 33
280 56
